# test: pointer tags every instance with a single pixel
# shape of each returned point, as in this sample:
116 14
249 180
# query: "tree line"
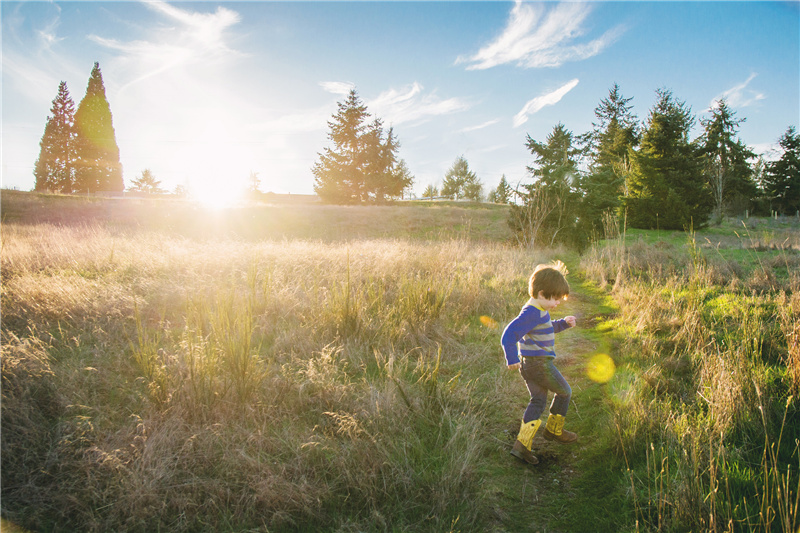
650 174
78 152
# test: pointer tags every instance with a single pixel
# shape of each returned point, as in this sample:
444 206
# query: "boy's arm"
529 318
563 323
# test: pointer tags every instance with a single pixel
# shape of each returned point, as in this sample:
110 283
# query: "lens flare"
489 322
601 368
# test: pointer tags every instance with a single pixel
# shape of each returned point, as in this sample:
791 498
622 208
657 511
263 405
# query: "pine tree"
430 192
549 210
55 168
98 166
460 182
147 183
782 177
729 175
362 165
666 188
614 136
502 194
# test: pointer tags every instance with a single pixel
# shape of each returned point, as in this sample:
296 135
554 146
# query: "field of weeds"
159 382
185 371
705 399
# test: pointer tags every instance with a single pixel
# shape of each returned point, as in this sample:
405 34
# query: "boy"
532 336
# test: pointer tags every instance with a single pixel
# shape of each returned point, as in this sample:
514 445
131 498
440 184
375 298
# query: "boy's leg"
530 419
554 429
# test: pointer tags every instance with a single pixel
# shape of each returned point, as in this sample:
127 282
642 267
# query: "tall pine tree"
729 175
782 177
98 165
362 165
55 168
666 188
614 136
549 210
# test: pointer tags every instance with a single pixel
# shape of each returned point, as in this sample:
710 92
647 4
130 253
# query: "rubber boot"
522 446
554 430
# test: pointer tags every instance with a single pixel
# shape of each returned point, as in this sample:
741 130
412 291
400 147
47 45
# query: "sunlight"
601 368
215 196
217 166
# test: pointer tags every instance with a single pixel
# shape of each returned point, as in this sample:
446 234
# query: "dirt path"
561 494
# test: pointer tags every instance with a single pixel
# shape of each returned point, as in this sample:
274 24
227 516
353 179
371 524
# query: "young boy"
532 336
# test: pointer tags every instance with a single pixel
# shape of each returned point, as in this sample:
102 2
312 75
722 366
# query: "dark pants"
541 375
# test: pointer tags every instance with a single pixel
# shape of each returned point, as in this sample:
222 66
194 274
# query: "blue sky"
203 93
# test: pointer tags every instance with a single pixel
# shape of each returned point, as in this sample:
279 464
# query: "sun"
217 197
217 169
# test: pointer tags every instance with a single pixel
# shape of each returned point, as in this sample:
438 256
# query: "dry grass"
154 381
709 429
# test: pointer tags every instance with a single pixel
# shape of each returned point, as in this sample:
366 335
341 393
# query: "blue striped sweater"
531 334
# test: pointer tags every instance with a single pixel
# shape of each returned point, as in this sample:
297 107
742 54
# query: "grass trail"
572 489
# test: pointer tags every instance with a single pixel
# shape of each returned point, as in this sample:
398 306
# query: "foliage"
55 167
98 167
430 191
726 160
362 165
665 188
706 424
610 143
548 212
502 194
314 387
782 177
147 183
460 182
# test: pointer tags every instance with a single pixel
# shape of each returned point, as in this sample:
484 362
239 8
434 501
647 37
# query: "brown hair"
550 280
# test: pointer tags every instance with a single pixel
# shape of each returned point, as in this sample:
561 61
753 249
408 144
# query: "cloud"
479 126
536 104
537 36
197 39
337 87
739 95
411 104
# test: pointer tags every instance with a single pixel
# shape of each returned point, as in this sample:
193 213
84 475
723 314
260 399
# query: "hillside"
413 220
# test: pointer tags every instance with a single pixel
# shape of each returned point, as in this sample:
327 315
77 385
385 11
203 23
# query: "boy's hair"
550 280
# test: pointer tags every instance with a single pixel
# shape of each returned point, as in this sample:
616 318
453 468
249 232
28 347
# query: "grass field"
272 368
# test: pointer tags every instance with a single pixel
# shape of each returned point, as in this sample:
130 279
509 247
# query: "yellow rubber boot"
554 430
522 446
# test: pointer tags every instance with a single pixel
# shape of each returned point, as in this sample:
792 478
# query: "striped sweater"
531 334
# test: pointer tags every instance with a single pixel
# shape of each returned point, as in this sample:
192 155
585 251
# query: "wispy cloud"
544 100
412 104
541 36
337 87
479 126
739 95
197 38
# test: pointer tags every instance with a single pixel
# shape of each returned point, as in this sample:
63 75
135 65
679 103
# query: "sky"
205 93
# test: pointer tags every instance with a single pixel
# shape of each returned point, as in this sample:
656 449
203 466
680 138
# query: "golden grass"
156 381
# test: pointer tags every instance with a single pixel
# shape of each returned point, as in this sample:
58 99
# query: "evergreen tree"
614 136
460 182
147 183
549 210
430 192
782 177
729 175
362 165
665 187
55 168
502 194
98 166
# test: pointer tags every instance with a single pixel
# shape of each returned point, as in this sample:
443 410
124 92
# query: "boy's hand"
570 320
515 366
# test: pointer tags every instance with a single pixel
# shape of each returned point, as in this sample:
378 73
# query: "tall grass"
158 382
709 431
